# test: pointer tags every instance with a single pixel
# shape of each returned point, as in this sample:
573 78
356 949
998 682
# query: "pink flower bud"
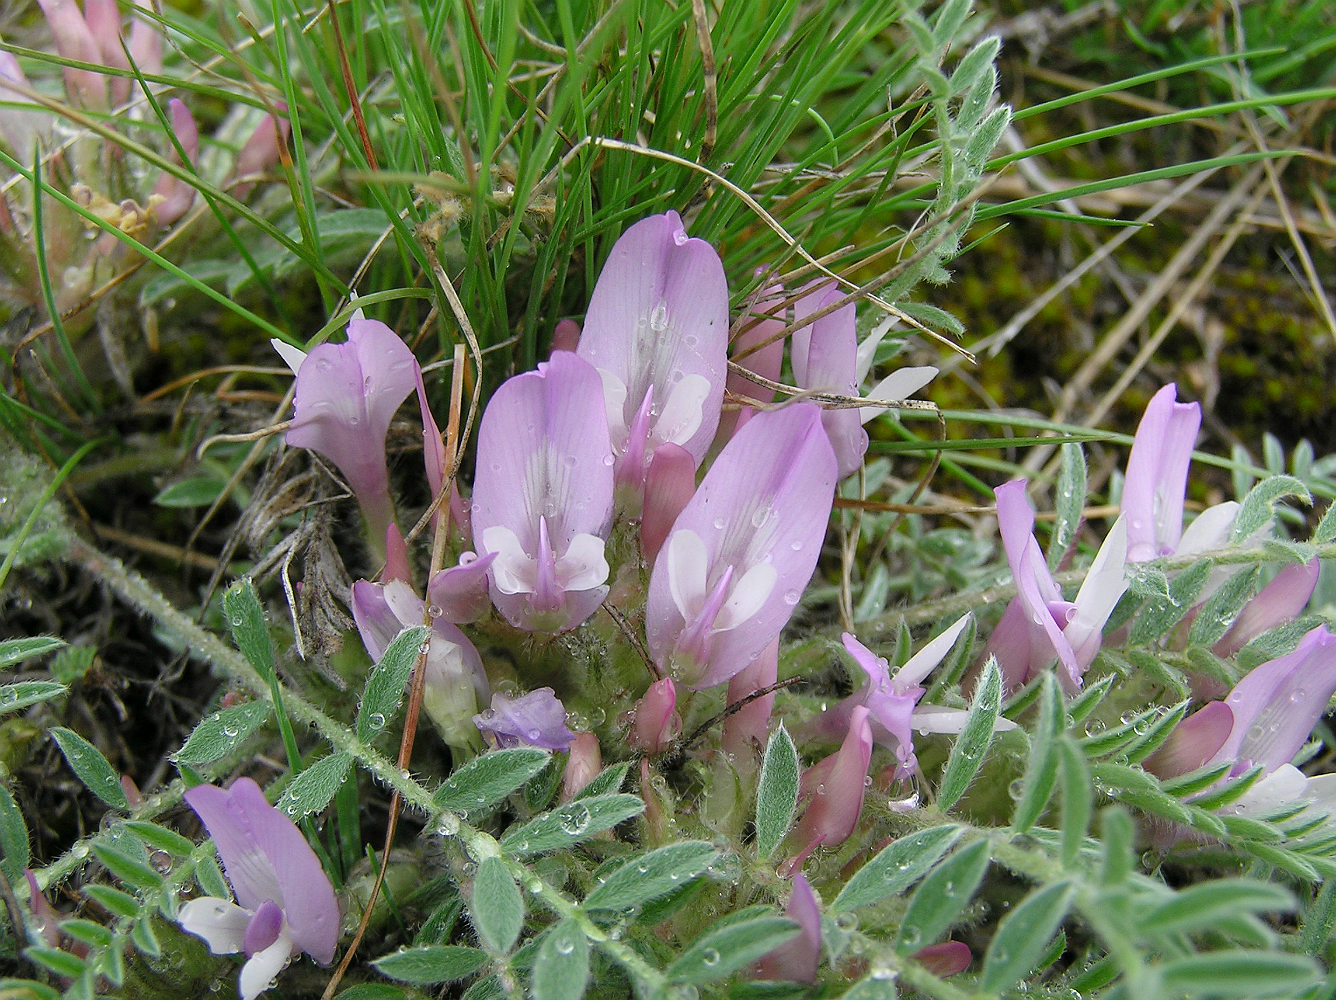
656 722
582 766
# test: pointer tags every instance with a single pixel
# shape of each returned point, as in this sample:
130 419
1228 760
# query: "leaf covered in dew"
486 780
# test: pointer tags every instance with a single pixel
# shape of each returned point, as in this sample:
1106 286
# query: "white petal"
867 350
899 384
220 922
687 569
614 398
584 565
921 663
514 571
682 412
747 596
1210 530
1103 587
261 968
292 356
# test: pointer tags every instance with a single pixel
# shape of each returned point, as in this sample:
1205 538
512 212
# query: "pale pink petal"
796 960
1194 741
655 721
764 502
1105 582
582 766
1157 472
177 196
946 959
1277 704
669 485
1282 599
659 314
75 41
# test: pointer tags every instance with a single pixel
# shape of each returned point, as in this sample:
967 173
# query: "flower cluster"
612 476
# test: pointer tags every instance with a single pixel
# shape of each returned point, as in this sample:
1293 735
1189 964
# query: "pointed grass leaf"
1200 907
1259 506
130 871
161 838
776 792
562 969
1023 935
571 823
14 697
1240 973
371 991
896 867
90 767
972 745
607 781
250 630
14 651
1069 502
313 789
1041 771
114 901
14 847
384 689
436 963
730 947
220 733
1219 611
650 876
1165 610
497 907
486 780
941 897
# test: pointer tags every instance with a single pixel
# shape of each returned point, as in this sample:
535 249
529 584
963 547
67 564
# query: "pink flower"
743 548
1264 721
1039 625
657 331
347 394
542 497
1156 482
285 904
893 699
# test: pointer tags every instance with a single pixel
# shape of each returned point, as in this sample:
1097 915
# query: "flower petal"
658 314
765 501
220 922
534 719
1157 473
261 968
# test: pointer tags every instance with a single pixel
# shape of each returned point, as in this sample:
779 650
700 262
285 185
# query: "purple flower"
893 700
743 548
1263 722
535 719
833 789
657 331
796 960
1156 482
746 730
1039 626
454 680
347 395
285 904
75 41
759 348
542 497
